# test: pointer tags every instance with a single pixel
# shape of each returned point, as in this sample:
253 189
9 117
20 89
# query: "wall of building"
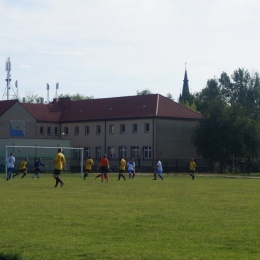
17 113
106 139
173 139
48 130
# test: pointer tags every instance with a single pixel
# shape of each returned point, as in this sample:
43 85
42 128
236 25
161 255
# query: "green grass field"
209 218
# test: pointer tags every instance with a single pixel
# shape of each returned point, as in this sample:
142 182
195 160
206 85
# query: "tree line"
230 106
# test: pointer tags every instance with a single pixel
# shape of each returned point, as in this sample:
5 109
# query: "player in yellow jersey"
192 167
122 168
60 164
22 168
88 165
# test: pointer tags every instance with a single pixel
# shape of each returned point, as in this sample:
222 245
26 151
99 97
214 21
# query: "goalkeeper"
37 170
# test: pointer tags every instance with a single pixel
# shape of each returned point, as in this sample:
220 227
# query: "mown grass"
208 218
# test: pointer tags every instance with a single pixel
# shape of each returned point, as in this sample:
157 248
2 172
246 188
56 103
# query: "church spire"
185 89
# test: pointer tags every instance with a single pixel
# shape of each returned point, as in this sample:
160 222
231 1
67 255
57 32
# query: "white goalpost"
74 156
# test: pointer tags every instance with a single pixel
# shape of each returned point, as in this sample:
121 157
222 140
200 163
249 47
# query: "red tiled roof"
169 108
6 104
126 107
45 113
139 106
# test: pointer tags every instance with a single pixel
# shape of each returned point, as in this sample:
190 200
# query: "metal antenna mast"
16 85
48 94
8 82
57 87
8 77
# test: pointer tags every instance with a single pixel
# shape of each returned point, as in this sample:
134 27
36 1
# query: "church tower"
184 96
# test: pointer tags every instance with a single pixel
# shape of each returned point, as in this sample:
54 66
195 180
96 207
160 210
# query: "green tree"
230 125
169 95
76 96
210 94
243 89
144 92
30 97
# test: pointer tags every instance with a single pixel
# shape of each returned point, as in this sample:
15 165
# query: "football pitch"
211 217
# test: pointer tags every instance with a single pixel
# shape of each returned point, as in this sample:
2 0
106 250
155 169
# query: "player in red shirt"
104 166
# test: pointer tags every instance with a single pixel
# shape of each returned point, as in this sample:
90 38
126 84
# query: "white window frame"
76 154
111 129
133 128
122 151
98 129
56 130
76 130
122 131
87 152
98 152
147 152
41 130
111 152
48 130
135 152
86 130
146 127
66 130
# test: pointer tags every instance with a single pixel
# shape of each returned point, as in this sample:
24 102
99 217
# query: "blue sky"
114 48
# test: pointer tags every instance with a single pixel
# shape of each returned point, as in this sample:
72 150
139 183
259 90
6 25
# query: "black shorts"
88 171
56 172
192 171
103 169
37 170
22 170
121 171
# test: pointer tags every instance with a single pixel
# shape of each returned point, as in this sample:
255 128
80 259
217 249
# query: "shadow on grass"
10 256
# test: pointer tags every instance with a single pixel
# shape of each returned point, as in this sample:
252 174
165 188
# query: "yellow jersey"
59 161
192 166
122 164
22 165
88 164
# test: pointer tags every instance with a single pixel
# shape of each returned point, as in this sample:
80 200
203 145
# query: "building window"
98 131
48 130
66 130
134 128
76 130
147 152
111 152
56 130
76 154
41 130
122 151
98 152
111 129
146 127
122 128
87 130
135 151
87 152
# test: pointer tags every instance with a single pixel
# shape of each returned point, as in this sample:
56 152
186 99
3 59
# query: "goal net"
74 157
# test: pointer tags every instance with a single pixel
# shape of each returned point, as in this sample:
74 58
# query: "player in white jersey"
10 161
131 169
159 169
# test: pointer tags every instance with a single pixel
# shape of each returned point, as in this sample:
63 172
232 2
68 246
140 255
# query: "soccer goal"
74 157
